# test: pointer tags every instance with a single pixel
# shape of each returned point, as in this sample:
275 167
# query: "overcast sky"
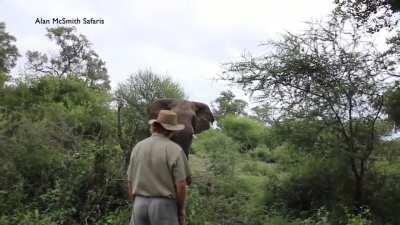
185 39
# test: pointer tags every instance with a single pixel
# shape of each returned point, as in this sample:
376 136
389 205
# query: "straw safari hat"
168 119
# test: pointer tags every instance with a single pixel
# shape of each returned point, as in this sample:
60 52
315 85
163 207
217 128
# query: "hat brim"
169 126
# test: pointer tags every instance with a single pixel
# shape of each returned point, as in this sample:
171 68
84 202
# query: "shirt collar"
158 135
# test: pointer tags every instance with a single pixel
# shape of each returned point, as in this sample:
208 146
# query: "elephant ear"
203 119
161 104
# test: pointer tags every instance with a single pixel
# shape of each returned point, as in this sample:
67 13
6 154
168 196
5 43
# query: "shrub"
118 217
28 217
247 132
263 153
220 150
255 168
227 203
384 192
304 183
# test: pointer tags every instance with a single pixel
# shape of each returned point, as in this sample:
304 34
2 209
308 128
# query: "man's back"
156 165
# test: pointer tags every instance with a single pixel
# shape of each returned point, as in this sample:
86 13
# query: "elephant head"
196 117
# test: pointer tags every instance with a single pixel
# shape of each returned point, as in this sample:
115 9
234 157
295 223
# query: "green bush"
220 150
306 135
247 132
384 192
28 217
304 183
255 168
117 217
226 198
263 153
226 203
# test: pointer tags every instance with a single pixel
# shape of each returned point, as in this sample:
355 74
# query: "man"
157 175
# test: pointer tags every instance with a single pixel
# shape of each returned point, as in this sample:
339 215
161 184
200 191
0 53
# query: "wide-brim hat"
169 120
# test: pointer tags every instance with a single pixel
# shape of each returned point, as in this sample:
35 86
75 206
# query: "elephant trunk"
184 139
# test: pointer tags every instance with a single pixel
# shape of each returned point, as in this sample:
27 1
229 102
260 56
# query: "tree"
227 104
331 72
263 113
133 97
392 104
376 14
8 53
75 58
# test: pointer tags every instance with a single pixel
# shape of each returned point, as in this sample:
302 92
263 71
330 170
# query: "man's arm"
181 172
181 200
130 191
130 174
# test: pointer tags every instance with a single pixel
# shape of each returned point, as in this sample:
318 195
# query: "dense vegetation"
317 150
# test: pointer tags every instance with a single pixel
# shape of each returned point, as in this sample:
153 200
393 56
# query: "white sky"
185 39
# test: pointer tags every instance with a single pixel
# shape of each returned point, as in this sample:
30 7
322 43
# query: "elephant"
196 117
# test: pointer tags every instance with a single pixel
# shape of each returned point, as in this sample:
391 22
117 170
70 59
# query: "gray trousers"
154 211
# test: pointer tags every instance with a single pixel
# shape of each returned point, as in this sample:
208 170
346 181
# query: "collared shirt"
156 164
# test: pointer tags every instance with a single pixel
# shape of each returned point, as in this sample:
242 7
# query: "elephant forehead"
184 106
185 116
183 109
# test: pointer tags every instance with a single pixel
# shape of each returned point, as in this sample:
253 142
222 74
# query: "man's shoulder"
174 145
143 142
171 146
174 150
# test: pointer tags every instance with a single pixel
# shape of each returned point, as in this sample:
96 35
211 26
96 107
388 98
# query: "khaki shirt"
156 164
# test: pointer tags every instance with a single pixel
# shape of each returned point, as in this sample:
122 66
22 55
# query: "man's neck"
160 134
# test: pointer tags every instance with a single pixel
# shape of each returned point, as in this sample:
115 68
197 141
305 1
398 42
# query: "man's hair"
158 128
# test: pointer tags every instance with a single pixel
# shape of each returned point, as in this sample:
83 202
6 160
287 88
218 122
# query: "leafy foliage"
8 55
74 59
375 14
220 151
325 73
263 113
249 133
392 104
56 137
228 105
8 50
